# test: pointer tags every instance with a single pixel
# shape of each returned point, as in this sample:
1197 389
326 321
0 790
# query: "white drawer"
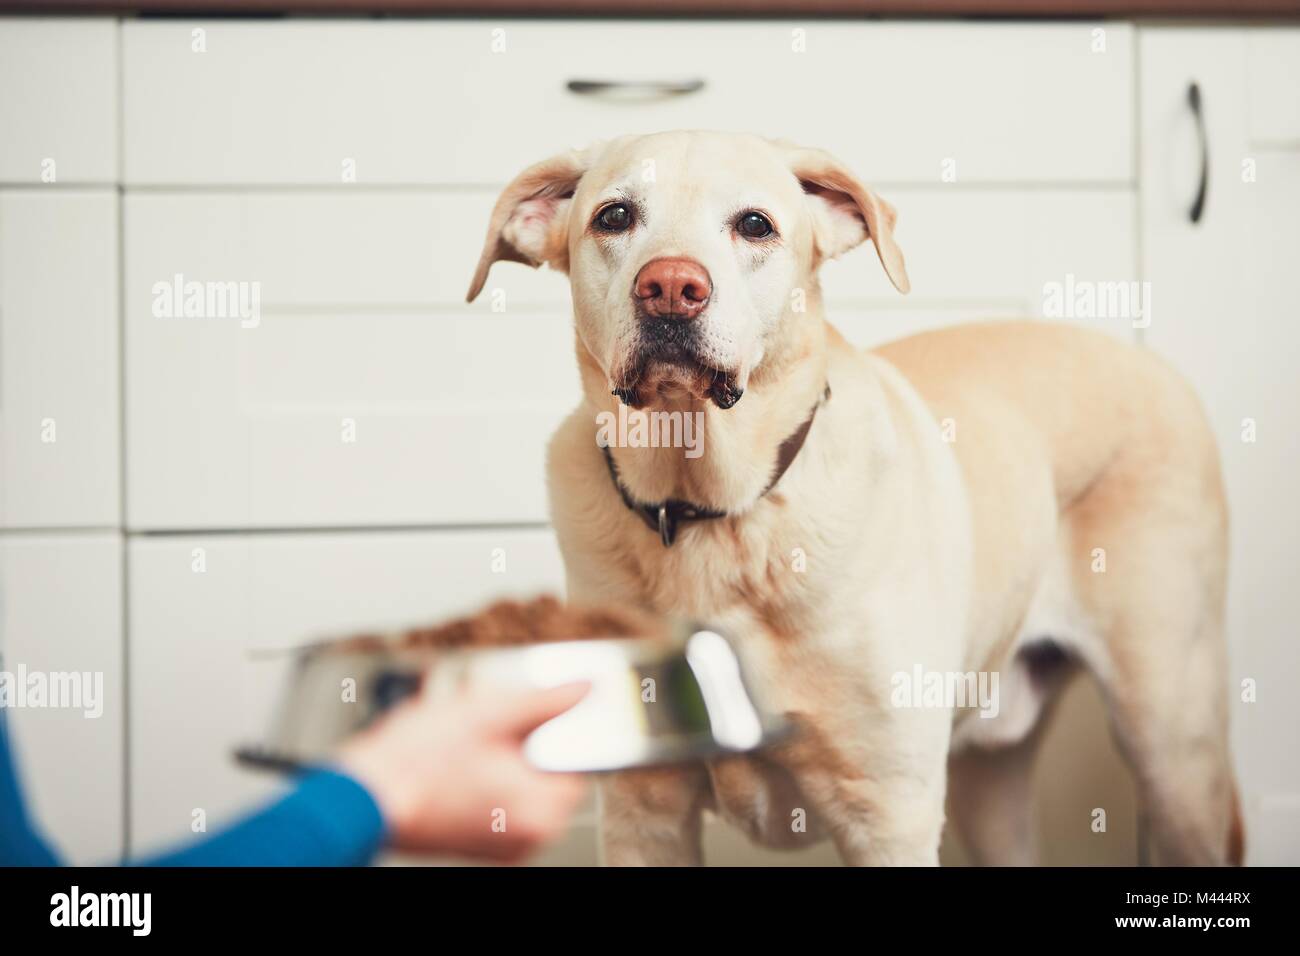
345 420
410 250
444 103
58 101
59 407
195 692
360 398
392 249
61 611
992 248
990 254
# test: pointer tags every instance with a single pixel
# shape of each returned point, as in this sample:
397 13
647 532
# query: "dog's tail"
1236 831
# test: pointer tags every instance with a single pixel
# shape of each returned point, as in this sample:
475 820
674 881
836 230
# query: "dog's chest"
744 569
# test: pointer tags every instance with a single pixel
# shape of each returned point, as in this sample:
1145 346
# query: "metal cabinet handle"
647 88
1194 101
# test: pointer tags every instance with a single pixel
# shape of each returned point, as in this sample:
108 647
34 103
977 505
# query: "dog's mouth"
668 363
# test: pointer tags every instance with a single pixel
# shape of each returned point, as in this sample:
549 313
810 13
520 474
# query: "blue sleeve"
20 844
328 819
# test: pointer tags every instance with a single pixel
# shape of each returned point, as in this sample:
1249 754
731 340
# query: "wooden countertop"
1221 9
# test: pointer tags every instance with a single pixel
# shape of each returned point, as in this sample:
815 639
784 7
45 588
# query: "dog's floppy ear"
847 212
529 221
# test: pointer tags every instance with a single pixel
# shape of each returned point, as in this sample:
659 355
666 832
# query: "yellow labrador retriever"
915 545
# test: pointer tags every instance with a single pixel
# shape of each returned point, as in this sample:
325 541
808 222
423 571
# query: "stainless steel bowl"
652 701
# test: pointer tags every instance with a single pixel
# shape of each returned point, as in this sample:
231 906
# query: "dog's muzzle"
668 354
670 294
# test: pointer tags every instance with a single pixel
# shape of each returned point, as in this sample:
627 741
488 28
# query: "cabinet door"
987 254
61 626
58 101
59 405
365 392
1226 315
201 606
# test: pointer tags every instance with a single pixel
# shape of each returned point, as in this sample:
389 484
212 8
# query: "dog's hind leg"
1169 717
990 769
990 801
1161 657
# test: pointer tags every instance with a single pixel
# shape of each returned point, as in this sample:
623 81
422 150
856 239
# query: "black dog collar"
665 516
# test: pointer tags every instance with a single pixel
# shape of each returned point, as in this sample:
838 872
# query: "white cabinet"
61 626
345 170
61 589
986 254
200 605
59 405
365 392
1228 316
58 101
994 247
447 101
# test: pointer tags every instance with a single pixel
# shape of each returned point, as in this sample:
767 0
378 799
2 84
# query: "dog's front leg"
652 817
883 805
892 823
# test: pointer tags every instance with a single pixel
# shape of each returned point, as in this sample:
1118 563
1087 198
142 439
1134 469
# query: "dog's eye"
754 225
615 218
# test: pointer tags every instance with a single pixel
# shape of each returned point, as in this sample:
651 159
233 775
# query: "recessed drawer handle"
644 88
1198 204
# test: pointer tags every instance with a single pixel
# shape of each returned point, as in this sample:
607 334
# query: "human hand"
449 774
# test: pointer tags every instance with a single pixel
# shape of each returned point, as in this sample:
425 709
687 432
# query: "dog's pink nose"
673 288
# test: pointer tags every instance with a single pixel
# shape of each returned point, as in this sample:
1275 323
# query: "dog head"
692 255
